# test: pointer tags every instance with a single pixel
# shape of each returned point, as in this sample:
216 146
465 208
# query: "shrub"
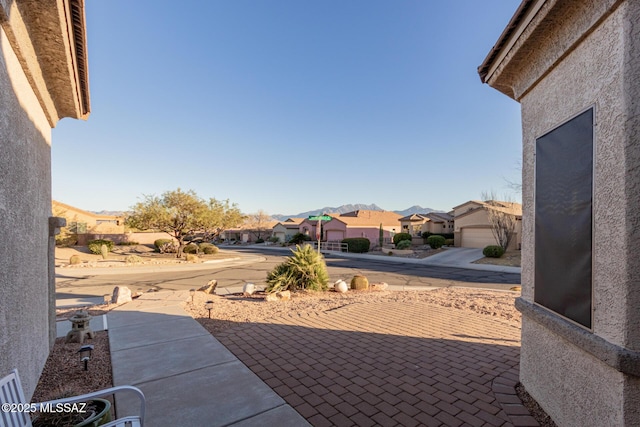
449 242
95 246
165 246
191 258
425 235
493 251
299 238
208 248
132 259
191 248
359 282
128 243
161 242
274 239
304 270
75 259
104 251
403 244
358 245
400 237
435 241
259 240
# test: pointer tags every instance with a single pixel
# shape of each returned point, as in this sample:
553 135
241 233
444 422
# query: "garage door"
334 236
477 237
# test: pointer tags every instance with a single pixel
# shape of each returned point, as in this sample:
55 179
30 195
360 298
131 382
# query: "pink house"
360 223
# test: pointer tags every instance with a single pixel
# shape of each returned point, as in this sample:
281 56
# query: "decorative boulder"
248 289
359 282
382 286
284 295
271 298
121 294
341 286
209 288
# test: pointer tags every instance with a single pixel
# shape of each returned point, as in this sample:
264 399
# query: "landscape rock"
248 289
271 298
284 295
121 294
382 286
210 287
341 286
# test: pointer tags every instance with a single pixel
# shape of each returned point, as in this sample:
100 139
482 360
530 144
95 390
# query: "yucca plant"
304 270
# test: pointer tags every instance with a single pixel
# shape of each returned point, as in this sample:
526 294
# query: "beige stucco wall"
602 70
25 206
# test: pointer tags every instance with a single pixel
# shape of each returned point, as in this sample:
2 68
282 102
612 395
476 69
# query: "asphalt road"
255 264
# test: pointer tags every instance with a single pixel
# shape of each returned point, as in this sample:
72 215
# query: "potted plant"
92 413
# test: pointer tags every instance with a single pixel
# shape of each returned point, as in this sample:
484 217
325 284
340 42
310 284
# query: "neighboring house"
285 230
84 222
473 228
248 234
433 222
43 78
360 223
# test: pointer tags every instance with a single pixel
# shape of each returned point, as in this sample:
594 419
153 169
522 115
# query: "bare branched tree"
502 217
258 223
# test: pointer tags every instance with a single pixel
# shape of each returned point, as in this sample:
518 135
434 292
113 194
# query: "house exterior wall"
26 290
587 53
95 224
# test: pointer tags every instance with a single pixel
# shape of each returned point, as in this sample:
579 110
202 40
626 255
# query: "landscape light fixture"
192 292
209 306
85 355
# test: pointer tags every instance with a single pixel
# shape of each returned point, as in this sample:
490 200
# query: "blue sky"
290 105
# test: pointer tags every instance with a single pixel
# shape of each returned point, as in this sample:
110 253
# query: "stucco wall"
25 206
603 70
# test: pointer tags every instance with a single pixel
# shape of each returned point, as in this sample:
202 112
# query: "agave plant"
304 270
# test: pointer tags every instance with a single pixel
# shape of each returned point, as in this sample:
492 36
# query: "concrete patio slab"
213 396
151 362
160 328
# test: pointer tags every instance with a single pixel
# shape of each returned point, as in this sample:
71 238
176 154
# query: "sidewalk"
187 376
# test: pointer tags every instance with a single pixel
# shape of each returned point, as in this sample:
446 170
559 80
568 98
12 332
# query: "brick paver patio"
388 364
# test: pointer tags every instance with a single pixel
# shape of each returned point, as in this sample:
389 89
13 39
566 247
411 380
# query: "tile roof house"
285 230
360 223
432 222
472 228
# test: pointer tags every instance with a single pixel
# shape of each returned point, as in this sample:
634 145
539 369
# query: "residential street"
254 263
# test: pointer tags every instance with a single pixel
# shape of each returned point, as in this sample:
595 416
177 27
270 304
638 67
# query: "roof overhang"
539 35
49 39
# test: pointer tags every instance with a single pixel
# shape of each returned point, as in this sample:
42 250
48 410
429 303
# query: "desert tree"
181 214
503 218
221 215
258 223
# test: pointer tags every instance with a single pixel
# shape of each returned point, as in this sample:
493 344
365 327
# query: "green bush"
208 248
191 248
259 240
95 245
299 238
493 251
161 242
400 237
357 245
274 239
306 269
128 243
403 244
165 246
435 241
449 242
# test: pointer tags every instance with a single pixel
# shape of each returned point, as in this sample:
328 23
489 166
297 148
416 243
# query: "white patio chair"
11 392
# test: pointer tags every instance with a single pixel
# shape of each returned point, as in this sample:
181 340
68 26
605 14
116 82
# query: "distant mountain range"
326 210
350 208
